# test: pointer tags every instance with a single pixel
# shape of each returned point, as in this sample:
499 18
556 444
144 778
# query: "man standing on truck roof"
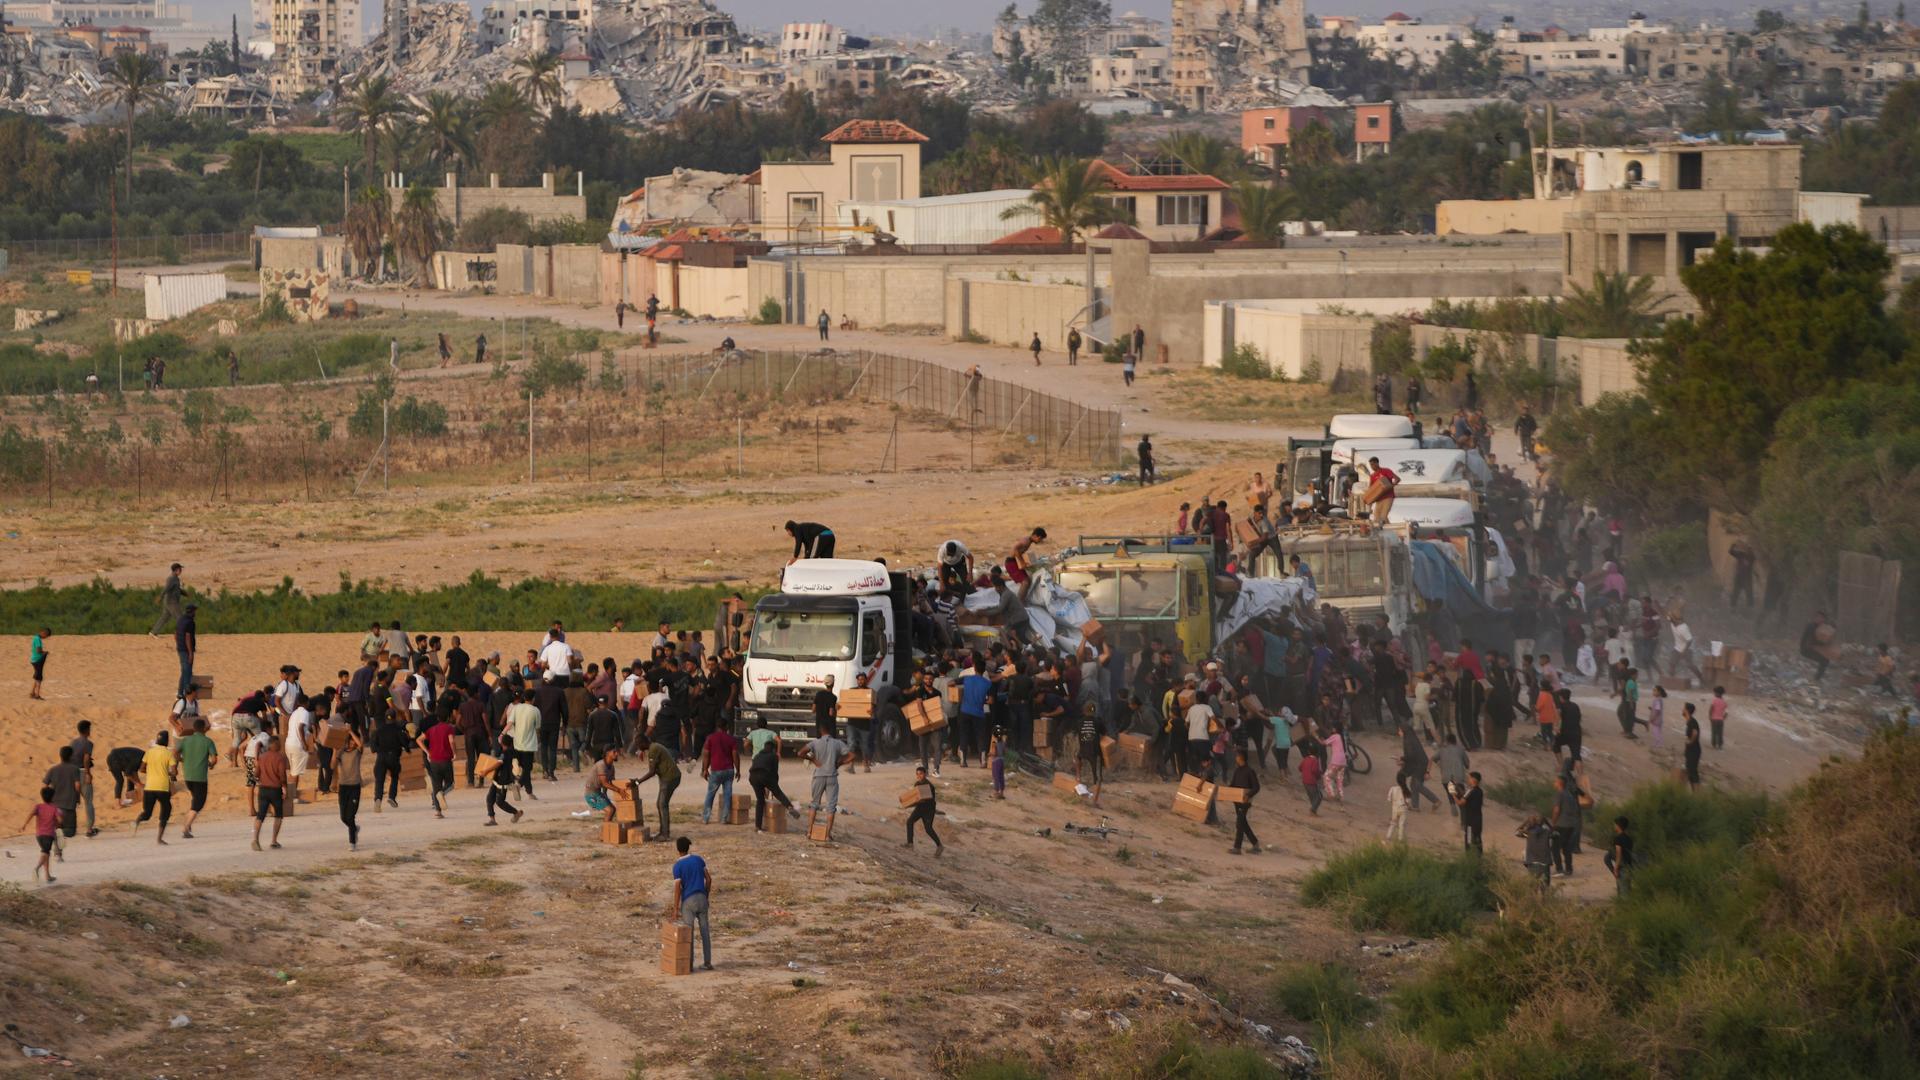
1017 563
811 540
1381 483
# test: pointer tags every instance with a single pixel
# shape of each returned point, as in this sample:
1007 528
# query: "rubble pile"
441 51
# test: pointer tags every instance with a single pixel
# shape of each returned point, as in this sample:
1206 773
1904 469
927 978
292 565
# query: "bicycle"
1358 762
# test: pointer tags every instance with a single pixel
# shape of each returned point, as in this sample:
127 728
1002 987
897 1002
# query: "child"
923 810
1717 717
997 762
1336 779
1546 713
37 655
1310 780
1657 715
1630 702
45 819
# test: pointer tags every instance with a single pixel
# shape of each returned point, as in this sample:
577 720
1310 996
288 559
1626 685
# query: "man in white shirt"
663 639
522 721
629 710
557 657
286 692
1683 646
299 744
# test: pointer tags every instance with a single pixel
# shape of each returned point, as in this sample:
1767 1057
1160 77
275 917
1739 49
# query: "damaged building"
1218 48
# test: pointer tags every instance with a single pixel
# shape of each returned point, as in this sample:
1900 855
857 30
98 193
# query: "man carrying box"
692 887
923 810
1248 781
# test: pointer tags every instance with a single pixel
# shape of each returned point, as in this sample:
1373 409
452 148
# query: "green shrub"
1675 551
1446 360
1524 793
552 372
1245 361
1187 1058
273 310
1311 372
1325 995
415 418
969 336
769 314
1402 889
1391 346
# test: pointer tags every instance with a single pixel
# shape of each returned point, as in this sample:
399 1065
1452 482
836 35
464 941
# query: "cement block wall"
717 291
573 272
1290 341
328 254
459 204
1603 366
1011 312
1489 217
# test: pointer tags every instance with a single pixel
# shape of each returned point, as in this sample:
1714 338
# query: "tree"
1773 330
1070 198
135 78
1721 109
1064 29
1312 145
503 103
366 228
1204 155
446 129
373 110
1617 306
416 228
1769 21
1264 209
538 77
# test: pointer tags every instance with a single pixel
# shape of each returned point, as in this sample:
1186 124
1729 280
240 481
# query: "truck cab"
1438 474
1451 522
1145 587
1315 462
1363 569
831 617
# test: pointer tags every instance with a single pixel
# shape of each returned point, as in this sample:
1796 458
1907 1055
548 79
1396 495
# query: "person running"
811 540
436 743
692 880
923 810
763 748
37 657
64 779
270 768
349 775
827 753
1144 452
1249 781
1088 762
160 768
45 819
660 764
523 723
501 783
1310 772
198 757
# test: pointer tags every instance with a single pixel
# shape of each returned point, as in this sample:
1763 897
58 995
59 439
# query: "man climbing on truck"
811 540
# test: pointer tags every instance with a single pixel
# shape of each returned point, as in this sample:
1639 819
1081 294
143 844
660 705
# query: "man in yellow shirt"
160 765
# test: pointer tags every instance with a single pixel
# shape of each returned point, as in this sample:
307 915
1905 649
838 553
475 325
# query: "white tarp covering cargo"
1263 597
170 296
1368 426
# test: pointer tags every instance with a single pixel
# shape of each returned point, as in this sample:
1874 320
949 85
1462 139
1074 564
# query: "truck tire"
893 736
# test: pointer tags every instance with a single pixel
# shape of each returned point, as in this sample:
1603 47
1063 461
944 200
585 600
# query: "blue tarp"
1462 611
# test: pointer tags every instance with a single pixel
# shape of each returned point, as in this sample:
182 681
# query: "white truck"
837 618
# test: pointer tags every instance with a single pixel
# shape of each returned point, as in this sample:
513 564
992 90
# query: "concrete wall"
543 203
1011 312
573 272
1170 305
1486 217
717 291
454 271
1289 340
324 253
1603 365
634 272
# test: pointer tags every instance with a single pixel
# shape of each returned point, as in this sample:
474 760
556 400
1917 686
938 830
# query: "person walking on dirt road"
823 322
692 892
923 810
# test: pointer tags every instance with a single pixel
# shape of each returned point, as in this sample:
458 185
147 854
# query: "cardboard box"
673 932
819 829
334 734
1044 753
1189 806
1042 731
413 772
486 765
1108 747
617 832
855 704
1233 795
676 959
926 716
1737 660
1065 781
1091 629
910 798
490 678
742 810
953 691
776 818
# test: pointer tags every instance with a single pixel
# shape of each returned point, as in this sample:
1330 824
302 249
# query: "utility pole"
386 447
529 436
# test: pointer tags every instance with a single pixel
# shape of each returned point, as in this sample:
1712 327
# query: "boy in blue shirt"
692 884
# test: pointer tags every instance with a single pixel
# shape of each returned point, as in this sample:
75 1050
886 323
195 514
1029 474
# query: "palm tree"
1616 306
1312 145
446 129
373 110
1204 155
502 103
539 78
135 78
1070 198
366 228
1265 209
416 229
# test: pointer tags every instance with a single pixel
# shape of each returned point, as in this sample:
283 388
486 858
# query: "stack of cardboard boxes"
1730 667
1131 753
676 949
742 811
926 716
1192 797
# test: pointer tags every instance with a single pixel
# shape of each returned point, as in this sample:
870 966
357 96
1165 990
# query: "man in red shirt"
270 767
719 757
437 743
1387 480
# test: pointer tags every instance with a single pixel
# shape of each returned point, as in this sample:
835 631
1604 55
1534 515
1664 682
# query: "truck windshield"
803 635
1145 593
1344 569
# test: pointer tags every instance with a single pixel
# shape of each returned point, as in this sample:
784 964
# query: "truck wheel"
892 738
